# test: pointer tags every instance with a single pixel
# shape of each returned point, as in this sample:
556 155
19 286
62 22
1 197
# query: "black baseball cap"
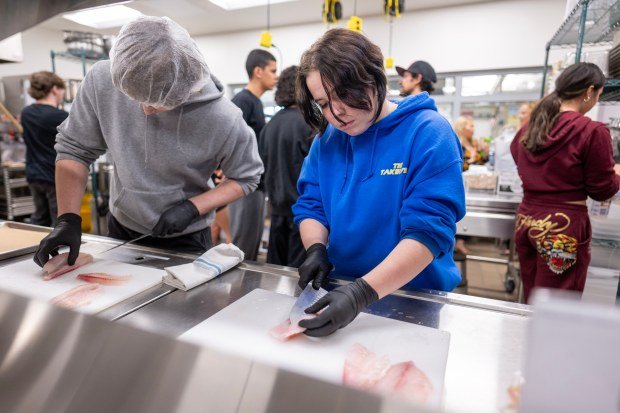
419 67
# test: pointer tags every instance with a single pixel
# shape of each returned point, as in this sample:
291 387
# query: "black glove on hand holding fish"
343 305
67 232
176 219
316 267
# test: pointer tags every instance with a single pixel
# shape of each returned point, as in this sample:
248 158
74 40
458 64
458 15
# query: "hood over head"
568 126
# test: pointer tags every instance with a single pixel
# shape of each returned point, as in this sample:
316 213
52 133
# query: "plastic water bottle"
492 158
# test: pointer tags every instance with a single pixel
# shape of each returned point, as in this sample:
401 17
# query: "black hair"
258 58
425 84
572 82
285 92
350 66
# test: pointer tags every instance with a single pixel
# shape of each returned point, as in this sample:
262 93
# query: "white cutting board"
26 278
243 328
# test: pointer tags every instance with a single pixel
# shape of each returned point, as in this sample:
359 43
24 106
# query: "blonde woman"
474 152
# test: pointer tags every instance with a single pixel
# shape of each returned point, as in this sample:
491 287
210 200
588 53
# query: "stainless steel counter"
131 254
489 215
54 360
487 336
488 202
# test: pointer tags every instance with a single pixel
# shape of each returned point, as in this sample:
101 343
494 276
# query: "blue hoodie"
399 179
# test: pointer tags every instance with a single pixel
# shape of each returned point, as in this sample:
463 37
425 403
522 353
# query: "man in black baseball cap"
418 78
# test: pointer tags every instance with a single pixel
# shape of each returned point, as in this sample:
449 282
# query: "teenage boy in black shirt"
246 214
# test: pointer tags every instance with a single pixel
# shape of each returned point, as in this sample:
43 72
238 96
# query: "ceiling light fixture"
104 17
244 4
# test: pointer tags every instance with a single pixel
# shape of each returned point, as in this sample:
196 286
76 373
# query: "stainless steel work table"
489 215
487 336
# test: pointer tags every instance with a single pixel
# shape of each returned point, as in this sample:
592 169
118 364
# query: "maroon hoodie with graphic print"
575 162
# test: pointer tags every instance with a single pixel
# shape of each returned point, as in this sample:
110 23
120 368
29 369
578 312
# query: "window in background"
492 118
521 82
444 87
480 85
491 97
445 109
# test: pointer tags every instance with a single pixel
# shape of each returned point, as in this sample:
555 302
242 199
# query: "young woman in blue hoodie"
381 189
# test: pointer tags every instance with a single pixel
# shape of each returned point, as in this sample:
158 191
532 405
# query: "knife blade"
126 242
307 297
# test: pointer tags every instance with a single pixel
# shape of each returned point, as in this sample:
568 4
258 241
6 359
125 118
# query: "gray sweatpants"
247 223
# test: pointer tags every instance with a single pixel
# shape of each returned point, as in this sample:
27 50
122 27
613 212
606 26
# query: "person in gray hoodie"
165 124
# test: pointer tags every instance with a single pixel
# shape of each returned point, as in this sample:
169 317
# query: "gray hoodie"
161 159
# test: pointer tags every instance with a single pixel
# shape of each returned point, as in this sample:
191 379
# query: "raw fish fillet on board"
58 265
365 371
104 278
286 330
290 328
78 296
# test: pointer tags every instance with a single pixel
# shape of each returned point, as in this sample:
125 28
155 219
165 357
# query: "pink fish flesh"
103 278
286 330
365 371
78 296
58 265
406 380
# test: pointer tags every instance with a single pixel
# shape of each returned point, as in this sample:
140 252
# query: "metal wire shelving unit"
590 23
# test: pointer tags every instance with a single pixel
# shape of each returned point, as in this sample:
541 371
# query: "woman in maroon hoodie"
562 157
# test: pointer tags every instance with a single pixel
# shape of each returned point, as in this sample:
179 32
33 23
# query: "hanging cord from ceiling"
389 60
265 37
355 22
392 9
280 58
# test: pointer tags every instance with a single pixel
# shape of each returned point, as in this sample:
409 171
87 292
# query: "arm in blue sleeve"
310 202
434 199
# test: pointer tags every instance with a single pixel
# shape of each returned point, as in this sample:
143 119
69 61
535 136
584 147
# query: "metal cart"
15 197
492 216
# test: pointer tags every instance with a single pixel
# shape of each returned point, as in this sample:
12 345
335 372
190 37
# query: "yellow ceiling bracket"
265 39
355 24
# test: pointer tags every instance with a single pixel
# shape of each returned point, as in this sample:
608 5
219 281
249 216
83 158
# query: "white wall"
37 43
501 34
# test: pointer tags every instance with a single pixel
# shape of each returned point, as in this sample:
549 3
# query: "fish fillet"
58 265
407 381
78 296
365 371
286 330
104 278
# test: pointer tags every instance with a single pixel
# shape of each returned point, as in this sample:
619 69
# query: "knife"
307 297
126 242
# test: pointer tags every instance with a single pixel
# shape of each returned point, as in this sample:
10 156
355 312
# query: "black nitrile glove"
316 267
343 305
176 219
67 232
